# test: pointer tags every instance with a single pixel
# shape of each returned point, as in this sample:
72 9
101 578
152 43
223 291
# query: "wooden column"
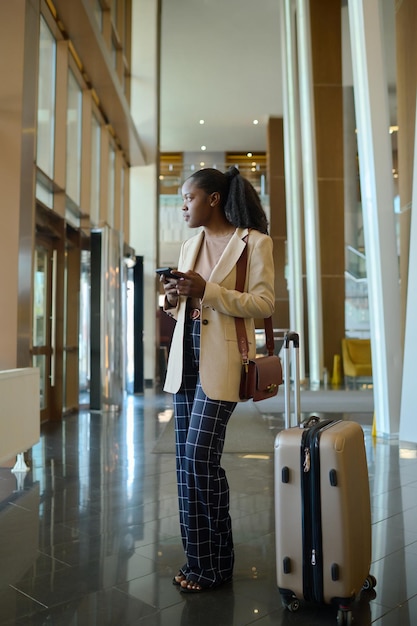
325 16
277 226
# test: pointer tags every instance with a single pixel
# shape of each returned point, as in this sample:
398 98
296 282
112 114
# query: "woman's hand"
190 284
170 288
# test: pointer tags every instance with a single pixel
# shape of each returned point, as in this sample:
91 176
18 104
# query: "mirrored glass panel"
40 297
39 361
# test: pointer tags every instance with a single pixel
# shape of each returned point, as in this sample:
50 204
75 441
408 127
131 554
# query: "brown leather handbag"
260 377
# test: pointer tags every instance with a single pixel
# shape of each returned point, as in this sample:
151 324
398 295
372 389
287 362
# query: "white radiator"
19 411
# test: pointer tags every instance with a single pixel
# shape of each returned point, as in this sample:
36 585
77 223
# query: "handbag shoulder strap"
242 338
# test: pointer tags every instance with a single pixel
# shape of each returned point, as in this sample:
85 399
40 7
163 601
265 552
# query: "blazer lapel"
191 252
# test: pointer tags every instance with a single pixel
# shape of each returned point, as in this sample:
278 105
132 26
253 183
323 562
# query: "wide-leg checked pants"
203 490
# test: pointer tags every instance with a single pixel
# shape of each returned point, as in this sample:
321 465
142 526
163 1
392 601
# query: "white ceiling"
220 61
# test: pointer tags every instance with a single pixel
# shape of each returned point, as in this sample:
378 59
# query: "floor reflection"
91 536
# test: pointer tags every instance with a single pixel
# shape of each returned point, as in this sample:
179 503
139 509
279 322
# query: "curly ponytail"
238 198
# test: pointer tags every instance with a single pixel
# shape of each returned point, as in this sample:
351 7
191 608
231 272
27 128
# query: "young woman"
204 363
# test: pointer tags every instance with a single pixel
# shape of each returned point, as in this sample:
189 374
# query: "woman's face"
197 207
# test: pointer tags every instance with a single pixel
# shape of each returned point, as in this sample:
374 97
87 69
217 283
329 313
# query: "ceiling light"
201 121
249 154
256 122
202 164
204 147
253 163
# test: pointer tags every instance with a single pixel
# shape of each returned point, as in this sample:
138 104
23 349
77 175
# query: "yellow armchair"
356 357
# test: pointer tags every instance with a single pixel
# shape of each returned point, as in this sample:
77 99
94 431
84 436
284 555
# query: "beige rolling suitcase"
322 507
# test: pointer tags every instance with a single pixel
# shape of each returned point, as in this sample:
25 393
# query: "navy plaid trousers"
203 490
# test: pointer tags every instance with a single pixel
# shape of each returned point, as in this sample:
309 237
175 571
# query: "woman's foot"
178 579
190 586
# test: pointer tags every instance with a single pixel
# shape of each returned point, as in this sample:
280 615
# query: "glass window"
46 100
98 12
95 170
44 193
114 53
74 118
114 9
110 213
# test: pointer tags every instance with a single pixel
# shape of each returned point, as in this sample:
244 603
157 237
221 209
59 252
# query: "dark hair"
238 198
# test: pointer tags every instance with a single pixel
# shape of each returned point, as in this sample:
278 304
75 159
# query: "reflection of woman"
204 361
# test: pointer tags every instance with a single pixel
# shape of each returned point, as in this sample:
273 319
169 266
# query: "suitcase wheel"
370 583
291 603
344 617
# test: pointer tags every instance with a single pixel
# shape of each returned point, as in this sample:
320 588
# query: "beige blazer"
220 359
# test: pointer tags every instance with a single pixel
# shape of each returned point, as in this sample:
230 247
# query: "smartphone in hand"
167 272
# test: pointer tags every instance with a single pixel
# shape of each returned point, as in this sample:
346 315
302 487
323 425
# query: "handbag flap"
269 373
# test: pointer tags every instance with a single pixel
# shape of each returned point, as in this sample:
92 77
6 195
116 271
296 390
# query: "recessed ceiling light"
201 121
256 122
253 163
204 147
249 154
202 164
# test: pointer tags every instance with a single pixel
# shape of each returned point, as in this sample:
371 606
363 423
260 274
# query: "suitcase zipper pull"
313 557
306 464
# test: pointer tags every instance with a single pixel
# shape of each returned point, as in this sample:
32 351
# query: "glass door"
84 330
43 355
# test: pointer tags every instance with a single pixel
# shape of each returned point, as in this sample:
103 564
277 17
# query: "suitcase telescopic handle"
294 338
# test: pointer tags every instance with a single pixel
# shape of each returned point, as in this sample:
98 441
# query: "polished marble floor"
89 536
